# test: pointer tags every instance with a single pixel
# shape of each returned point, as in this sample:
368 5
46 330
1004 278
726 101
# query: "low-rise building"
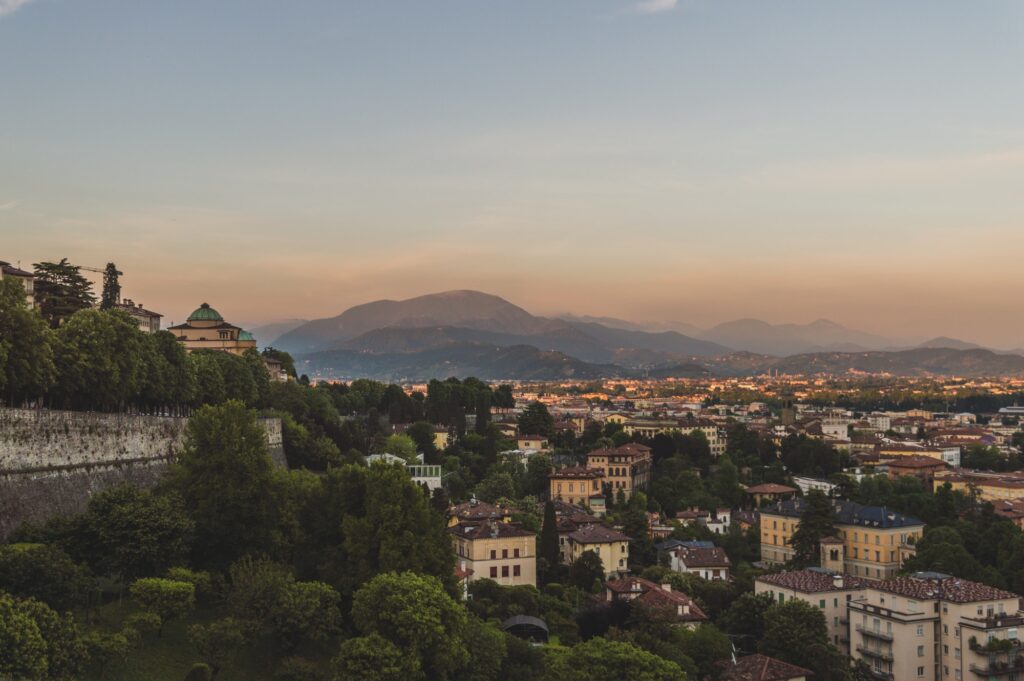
828 591
578 485
27 279
148 321
707 562
504 552
610 545
871 537
639 590
985 485
923 468
538 442
475 511
768 492
626 468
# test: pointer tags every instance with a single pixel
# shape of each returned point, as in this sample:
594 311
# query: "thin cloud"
650 6
11 6
10 205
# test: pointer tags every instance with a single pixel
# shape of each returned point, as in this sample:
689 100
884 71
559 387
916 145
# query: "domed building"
206 329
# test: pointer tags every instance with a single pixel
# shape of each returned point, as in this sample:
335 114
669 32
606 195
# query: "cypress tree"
549 536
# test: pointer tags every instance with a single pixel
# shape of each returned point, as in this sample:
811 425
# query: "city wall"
52 462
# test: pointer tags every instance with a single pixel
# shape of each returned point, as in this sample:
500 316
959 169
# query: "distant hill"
267 334
487 362
754 335
465 309
947 342
916 362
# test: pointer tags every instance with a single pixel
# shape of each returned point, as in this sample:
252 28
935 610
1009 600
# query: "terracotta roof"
478 510
916 462
658 596
814 581
935 587
760 668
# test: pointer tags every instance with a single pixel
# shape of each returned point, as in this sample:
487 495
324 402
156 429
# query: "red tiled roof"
703 557
950 589
813 581
596 534
658 596
580 472
761 668
478 510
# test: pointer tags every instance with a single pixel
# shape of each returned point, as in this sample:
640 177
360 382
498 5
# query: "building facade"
626 468
27 279
873 538
500 551
206 329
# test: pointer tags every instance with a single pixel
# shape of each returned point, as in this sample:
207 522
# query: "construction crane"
100 270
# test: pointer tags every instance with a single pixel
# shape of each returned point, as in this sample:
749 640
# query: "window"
956 653
494 572
504 553
515 571
515 553
945 650
821 604
878 557
920 651
920 671
494 554
504 570
945 630
877 540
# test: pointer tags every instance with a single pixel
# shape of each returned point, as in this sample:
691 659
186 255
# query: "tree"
586 571
796 632
415 614
536 481
422 434
24 623
602 660
60 291
22 646
744 620
307 611
224 474
164 597
256 587
487 651
218 641
549 547
43 572
111 287
374 658
497 485
135 533
536 420
27 368
816 523
103 648
99 361
402 446
706 646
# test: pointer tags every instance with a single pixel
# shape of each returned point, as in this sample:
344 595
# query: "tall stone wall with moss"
52 462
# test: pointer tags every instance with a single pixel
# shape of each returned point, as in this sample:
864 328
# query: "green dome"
205 313
245 335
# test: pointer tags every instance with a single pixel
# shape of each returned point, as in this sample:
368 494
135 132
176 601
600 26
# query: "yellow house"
874 539
503 552
441 438
576 484
987 486
625 468
610 545
205 329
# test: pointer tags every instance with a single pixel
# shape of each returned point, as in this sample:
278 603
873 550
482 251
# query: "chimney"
494 531
837 581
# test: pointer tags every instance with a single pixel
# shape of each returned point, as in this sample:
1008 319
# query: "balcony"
873 634
998 668
877 654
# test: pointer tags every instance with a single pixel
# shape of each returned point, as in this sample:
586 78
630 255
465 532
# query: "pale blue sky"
702 160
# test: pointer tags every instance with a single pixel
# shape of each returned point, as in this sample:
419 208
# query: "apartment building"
829 591
610 545
987 486
937 627
648 428
579 485
870 540
624 468
501 551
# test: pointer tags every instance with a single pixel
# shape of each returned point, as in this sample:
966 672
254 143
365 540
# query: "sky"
692 160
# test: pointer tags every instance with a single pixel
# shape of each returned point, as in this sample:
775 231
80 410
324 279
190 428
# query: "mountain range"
473 333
